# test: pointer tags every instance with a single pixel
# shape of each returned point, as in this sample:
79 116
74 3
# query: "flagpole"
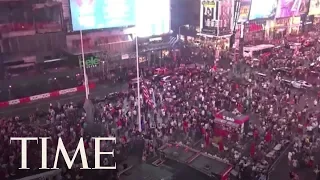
84 67
138 85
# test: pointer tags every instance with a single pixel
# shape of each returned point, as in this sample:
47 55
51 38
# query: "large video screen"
244 10
153 17
98 14
263 9
288 8
314 8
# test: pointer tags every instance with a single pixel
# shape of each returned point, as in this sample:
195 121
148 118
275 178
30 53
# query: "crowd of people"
180 103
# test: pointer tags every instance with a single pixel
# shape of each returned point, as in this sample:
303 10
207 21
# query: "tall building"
185 12
36 34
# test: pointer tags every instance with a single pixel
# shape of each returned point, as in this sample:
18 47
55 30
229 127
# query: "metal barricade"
49 175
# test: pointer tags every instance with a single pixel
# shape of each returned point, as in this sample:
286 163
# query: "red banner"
45 95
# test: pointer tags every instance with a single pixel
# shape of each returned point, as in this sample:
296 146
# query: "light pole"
138 85
103 73
84 67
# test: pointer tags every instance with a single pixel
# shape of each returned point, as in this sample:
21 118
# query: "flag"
173 41
146 96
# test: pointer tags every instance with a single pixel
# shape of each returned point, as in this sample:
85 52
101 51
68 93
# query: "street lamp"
138 84
84 68
185 25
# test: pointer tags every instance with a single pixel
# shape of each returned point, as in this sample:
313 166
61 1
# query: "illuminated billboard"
263 9
288 8
244 10
98 14
153 17
208 13
225 22
150 17
314 8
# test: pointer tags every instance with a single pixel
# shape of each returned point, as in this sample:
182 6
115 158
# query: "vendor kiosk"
228 122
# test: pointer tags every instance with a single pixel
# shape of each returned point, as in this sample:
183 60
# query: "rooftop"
178 152
169 170
196 160
209 165
147 172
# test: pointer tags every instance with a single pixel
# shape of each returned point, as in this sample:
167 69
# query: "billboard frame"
72 31
265 18
244 3
88 30
308 12
214 18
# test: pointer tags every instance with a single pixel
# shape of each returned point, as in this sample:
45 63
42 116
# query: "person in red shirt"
124 139
119 123
185 126
252 149
268 136
255 134
207 139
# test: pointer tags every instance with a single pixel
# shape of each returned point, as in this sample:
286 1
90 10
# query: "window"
77 43
48 18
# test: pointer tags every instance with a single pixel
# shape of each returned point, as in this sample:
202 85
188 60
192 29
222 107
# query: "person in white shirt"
294 163
290 157
314 124
309 128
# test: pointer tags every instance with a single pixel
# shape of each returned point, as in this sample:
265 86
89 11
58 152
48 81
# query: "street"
280 171
25 109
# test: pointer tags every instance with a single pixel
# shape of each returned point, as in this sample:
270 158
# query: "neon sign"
90 62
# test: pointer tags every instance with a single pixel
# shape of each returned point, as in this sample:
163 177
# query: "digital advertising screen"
314 8
209 17
153 17
98 14
263 9
288 8
244 10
